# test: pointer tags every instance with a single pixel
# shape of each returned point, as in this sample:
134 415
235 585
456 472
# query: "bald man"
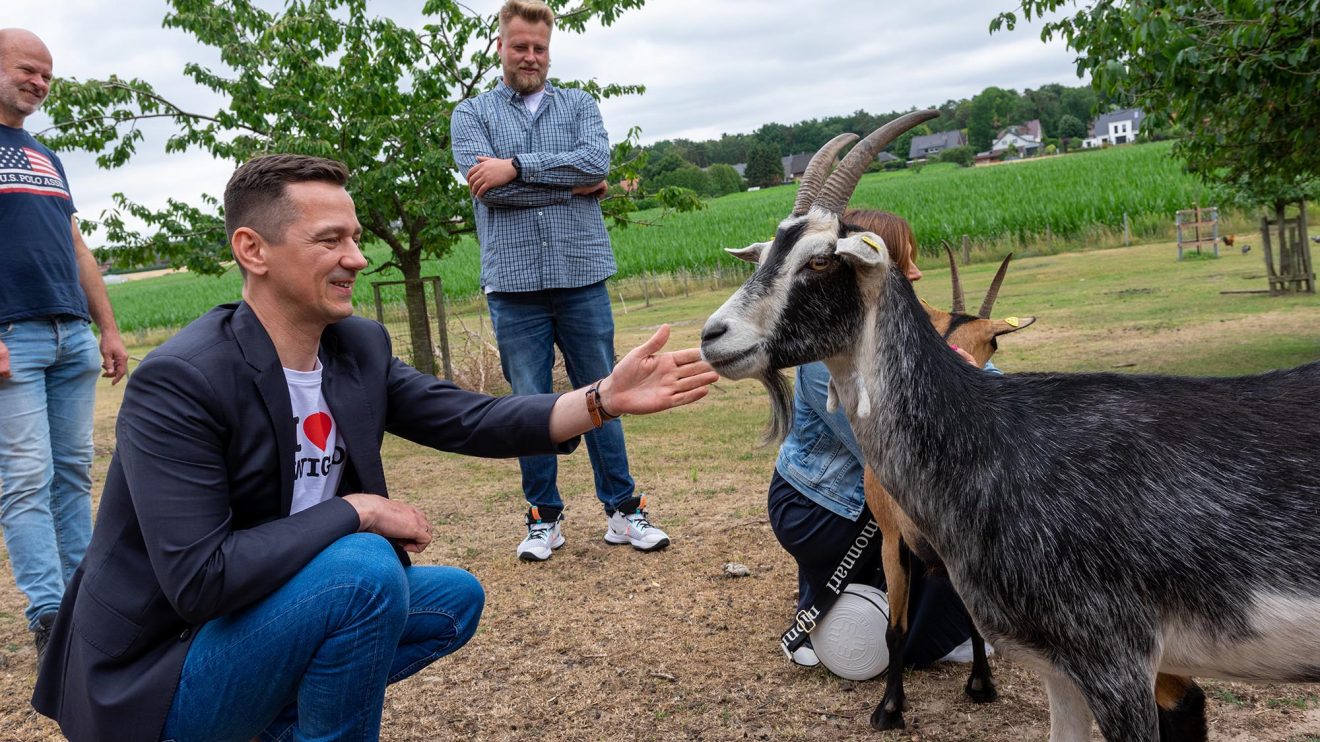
50 292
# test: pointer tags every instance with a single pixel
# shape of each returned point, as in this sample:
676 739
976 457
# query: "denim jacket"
820 457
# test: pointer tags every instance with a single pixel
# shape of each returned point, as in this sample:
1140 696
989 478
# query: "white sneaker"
963 653
543 534
804 656
628 525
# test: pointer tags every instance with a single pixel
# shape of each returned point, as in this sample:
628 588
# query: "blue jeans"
528 326
46 410
311 660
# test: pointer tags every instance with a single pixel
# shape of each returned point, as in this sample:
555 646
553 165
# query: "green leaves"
325 78
1239 77
183 235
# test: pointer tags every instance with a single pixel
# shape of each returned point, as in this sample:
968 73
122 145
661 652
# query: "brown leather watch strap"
599 416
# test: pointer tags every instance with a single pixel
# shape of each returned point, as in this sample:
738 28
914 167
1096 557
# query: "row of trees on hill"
328 78
1064 113
1237 81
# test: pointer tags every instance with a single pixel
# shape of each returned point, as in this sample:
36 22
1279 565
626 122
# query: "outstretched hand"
647 380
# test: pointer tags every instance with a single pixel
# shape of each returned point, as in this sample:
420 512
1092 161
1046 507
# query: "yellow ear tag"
871 242
1012 321
923 301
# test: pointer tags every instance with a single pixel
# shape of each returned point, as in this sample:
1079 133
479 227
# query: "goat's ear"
1010 324
863 248
751 253
939 318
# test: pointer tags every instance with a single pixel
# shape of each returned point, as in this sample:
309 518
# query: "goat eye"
820 262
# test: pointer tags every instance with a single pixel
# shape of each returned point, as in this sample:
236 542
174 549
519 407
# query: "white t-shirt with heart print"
319 457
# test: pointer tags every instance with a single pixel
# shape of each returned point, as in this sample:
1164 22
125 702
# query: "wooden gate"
1294 273
1196 228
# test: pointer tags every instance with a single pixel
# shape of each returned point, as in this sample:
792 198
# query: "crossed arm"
546 177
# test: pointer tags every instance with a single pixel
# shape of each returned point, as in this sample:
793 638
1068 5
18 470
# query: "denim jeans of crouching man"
350 622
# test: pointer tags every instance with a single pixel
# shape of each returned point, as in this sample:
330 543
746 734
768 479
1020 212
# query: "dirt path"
605 643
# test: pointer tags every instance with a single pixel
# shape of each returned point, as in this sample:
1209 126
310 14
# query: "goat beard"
781 406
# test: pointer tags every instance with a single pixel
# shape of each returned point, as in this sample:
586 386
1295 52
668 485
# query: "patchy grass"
608 643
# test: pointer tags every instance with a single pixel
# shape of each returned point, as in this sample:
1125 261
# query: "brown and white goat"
1095 525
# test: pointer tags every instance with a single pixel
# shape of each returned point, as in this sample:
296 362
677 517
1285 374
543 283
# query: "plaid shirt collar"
513 95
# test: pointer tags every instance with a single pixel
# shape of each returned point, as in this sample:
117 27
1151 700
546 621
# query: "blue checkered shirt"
534 233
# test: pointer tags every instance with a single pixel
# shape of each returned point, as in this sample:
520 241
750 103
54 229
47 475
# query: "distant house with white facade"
929 145
1027 139
1117 127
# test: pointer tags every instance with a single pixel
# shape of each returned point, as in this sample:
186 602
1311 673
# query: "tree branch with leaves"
323 78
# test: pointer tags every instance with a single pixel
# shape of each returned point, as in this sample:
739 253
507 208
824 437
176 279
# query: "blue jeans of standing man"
46 410
312 659
528 326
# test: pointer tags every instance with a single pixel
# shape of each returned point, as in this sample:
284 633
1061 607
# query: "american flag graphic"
25 170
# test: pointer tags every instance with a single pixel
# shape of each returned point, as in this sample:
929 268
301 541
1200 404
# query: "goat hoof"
982 693
882 720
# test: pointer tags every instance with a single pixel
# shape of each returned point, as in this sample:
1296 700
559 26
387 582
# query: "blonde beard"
525 84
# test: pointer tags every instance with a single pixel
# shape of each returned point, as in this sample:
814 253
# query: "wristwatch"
596 409
517 169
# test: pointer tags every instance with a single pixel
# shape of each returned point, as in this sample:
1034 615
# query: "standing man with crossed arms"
50 289
535 157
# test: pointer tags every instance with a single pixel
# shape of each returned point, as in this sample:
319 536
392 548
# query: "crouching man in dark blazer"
247 575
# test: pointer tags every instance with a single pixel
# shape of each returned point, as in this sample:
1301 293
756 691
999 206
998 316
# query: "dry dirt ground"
603 642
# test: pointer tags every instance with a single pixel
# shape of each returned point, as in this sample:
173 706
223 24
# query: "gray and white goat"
1102 528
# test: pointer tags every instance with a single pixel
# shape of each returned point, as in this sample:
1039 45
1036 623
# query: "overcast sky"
709 66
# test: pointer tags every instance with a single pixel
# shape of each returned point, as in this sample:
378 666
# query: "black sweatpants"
817 539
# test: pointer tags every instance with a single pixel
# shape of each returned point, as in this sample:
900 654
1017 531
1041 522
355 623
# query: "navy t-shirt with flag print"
38 267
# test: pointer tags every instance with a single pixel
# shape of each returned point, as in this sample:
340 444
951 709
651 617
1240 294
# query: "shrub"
963 156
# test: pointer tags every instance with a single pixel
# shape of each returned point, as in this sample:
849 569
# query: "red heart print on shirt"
317 428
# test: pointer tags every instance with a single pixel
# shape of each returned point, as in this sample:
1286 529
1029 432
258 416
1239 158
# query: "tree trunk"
419 321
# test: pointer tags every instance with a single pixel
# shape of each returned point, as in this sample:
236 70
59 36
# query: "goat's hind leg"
1181 705
980 685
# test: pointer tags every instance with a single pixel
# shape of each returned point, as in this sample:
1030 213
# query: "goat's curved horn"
993 293
841 184
958 307
817 169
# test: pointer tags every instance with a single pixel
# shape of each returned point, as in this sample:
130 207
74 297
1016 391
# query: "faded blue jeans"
311 660
528 326
46 408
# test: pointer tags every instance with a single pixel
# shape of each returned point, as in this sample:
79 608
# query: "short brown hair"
255 196
532 11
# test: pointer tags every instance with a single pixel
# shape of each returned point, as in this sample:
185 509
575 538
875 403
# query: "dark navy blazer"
194 520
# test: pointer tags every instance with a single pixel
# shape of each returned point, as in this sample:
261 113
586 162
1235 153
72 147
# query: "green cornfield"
1045 205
